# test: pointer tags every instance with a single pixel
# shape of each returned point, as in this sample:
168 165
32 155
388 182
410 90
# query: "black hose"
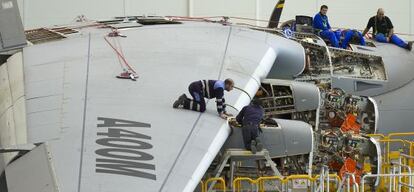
231 106
257 81
243 91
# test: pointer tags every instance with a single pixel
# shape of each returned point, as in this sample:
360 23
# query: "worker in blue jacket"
250 117
208 89
322 27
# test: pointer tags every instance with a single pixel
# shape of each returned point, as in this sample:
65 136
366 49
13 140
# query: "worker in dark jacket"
322 27
208 89
383 30
250 117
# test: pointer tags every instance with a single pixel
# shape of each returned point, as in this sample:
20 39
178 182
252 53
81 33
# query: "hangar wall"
343 13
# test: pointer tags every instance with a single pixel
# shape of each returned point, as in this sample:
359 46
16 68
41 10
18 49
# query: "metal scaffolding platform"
237 155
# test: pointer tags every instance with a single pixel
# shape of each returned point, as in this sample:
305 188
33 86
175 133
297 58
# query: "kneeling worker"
208 89
250 117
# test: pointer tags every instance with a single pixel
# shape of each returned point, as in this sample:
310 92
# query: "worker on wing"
349 35
250 117
383 30
208 89
322 27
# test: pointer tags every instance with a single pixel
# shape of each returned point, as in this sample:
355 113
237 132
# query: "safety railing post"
408 168
327 178
363 183
391 186
351 177
321 179
337 181
342 184
348 183
327 182
399 171
355 186
202 186
324 180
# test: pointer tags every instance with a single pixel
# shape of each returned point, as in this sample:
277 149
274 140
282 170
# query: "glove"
228 114
223 116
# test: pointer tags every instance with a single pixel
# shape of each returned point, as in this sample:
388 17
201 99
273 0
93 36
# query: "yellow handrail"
400 134
236 185
291 177
219 179
382 136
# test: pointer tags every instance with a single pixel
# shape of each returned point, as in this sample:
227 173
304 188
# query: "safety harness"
376 26
205 88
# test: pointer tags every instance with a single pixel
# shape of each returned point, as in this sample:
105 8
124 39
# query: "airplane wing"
107 134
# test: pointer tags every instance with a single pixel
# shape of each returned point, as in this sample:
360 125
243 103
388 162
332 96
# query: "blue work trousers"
394 39
197 103
348 36
330 35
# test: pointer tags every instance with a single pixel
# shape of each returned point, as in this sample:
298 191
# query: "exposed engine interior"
340 125
357 65
321 64
280 100
317 62
345 120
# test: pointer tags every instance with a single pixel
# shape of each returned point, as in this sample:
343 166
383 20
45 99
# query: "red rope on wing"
120 56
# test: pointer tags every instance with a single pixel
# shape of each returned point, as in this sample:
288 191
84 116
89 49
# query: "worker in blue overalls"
383 30
322 27
349 35
250 117
208 89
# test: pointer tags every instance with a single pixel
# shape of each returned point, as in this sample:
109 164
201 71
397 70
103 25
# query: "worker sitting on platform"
322 27
208 89
250 117
383 30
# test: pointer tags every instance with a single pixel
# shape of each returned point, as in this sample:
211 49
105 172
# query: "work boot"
410 46
180 101
183 97
259 145
253 147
